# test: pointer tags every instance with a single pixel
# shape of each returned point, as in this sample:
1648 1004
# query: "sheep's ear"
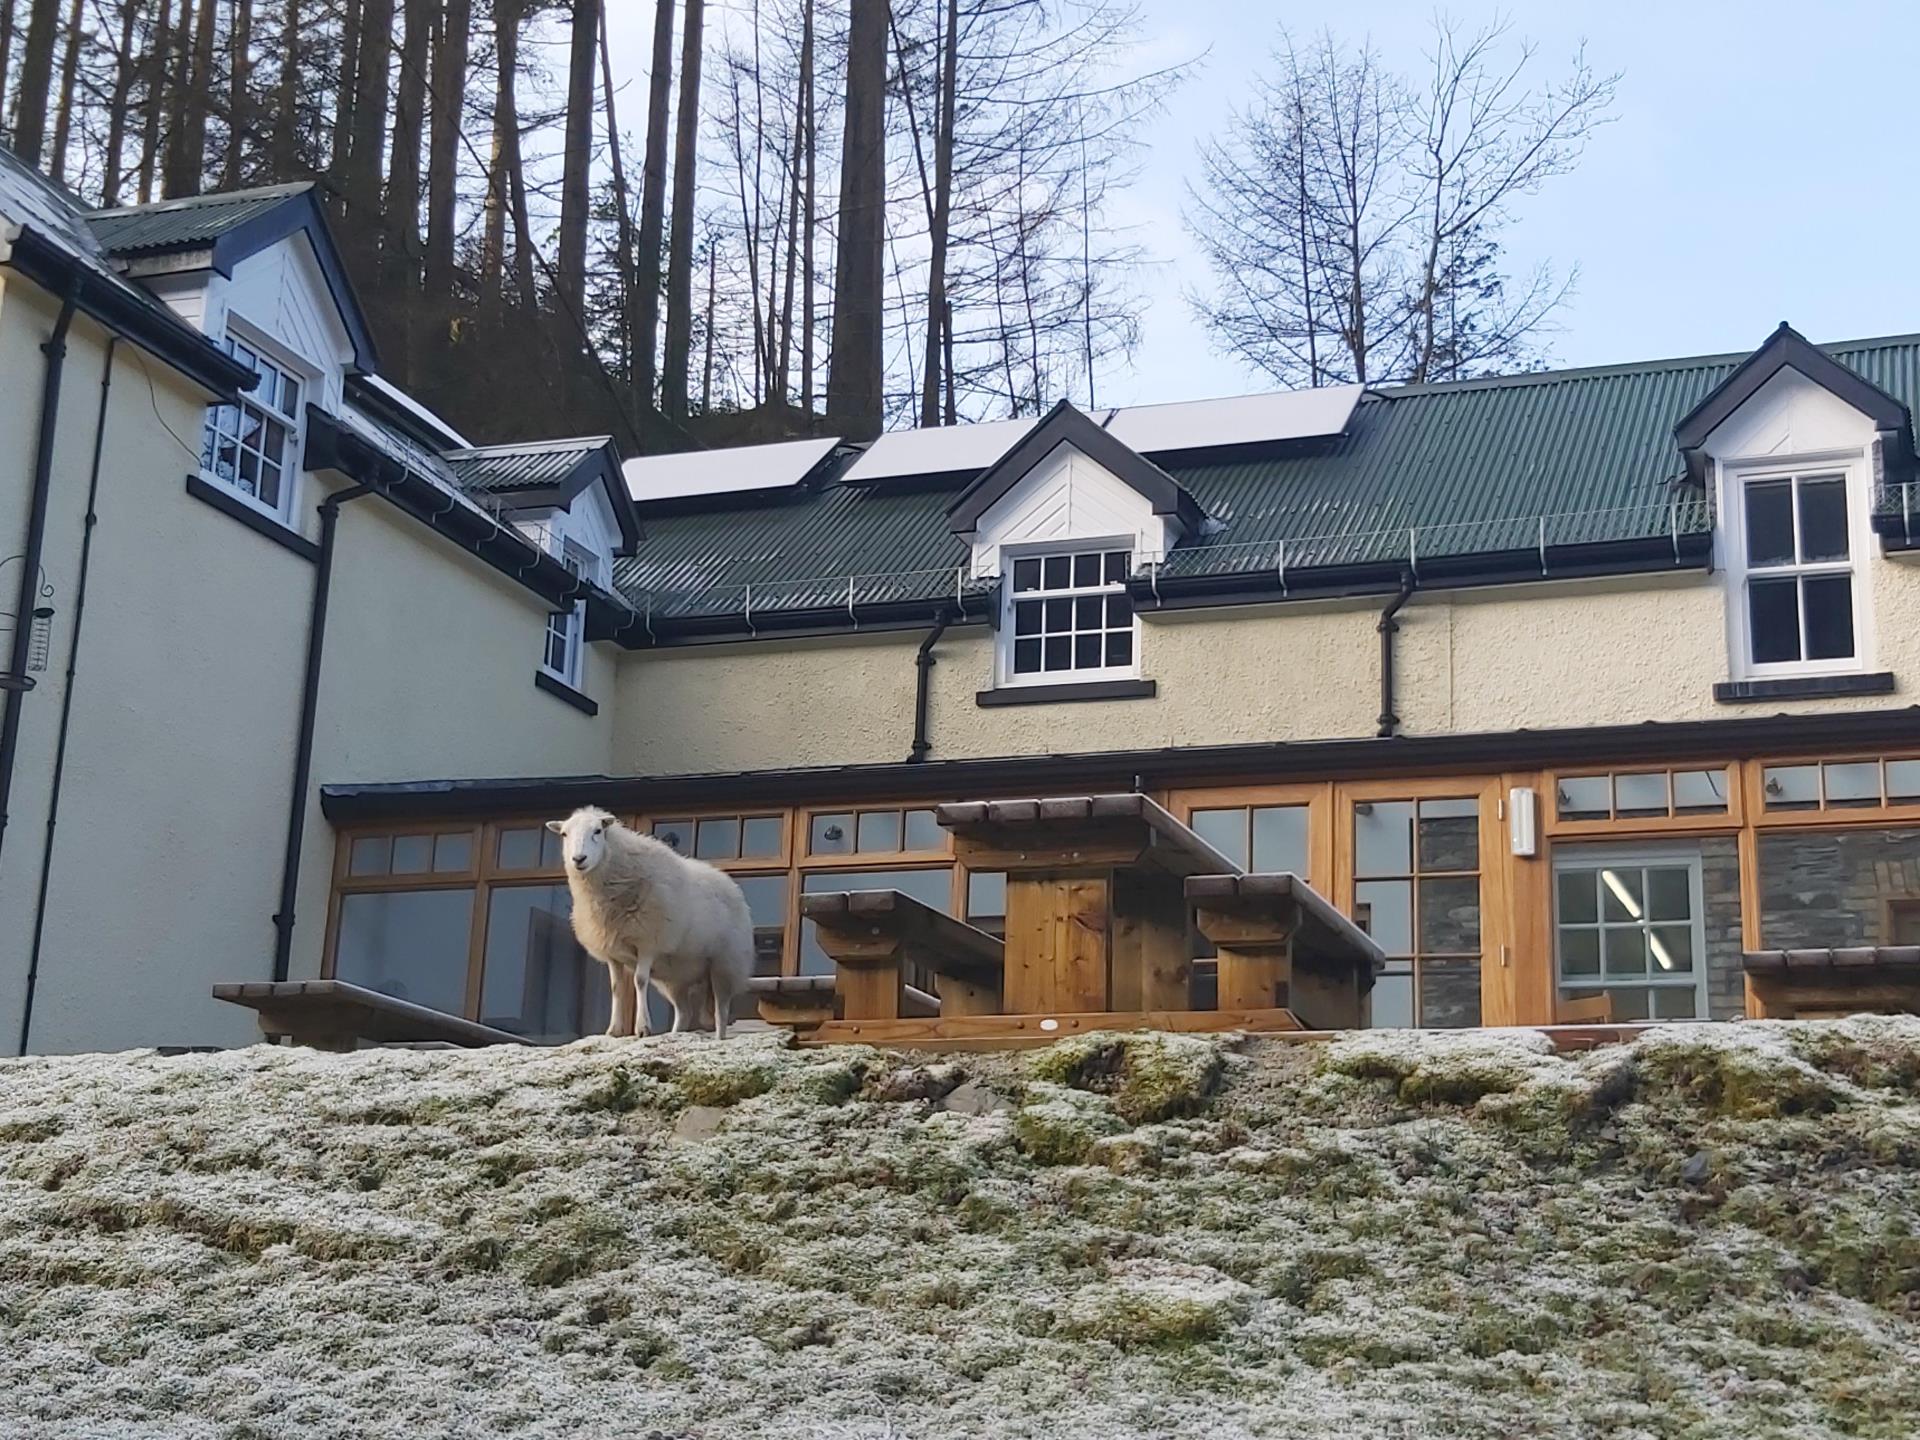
559 827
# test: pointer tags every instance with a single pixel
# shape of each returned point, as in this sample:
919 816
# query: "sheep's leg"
640 977
722 1006
682 1002
621 980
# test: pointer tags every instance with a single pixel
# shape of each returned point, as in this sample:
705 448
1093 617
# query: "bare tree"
856 367
653 205
673 385
118 100
36 80
443 160
69 73
239 92
577 152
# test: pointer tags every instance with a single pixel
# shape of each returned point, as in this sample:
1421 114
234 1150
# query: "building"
1571 683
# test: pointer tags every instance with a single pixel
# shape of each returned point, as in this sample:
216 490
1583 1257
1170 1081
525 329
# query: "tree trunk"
653 205
443 160
6 59
577 159
621 204
510 181
807 211
343 95
365 150
241 103
286 105
854 366
155 96
187 143
680 246
781 387
121 98
493 245
706 375
36 80
69 71
937 309
400 261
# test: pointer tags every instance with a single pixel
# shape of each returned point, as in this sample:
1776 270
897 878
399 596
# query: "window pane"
549 849
831 835
1280 839
717 839
1393 1000
1773 612
987 899
1089 612
1086 569
760 836
1579 952
1449 994
1026 657
1584 797
1669 892
1383 838
1058 571
1225 831
1087 650
1629 1002
1903 779
879 831
1059 652
410 944
1829 601
519 849
1116 566
923 832
1621 897
1671 949
1637 795
1792 787
1450 916
1624 950
1119 611
674 834
1059 616
538 982
369 855
1675 1002
1120 647
1026 575
1854 784
767 904
1770 522
1823 520
1026 617
1384 909
453 852
1579 897
1449 835
1699 792
930 887
412 854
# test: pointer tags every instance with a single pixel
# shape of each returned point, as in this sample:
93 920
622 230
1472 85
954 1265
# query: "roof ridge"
207 200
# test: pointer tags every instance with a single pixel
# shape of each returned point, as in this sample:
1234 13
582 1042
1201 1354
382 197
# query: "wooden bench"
1096 921
335 1015
1824 984
1281 945
882 942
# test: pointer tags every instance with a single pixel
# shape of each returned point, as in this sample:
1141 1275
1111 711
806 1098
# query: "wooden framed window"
1835 790
729 840
835 835
1644 798
1630 922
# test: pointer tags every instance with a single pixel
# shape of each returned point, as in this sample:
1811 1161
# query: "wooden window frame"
1620 827
1858 816
1315 796
752 864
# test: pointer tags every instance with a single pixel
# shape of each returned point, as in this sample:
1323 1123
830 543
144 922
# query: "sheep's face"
583 838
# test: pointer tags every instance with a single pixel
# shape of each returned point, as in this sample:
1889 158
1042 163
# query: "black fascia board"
1648 742
146 322
1066 425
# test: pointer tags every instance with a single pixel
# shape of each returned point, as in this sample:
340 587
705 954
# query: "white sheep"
651 915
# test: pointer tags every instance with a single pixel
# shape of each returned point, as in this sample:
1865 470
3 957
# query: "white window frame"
1735 477
1010 555
301 371
571 624
1602 856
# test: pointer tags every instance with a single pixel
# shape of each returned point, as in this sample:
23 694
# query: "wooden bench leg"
1152 966
1057 951
961 997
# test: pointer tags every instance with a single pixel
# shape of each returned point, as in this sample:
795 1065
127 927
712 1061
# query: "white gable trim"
1070 498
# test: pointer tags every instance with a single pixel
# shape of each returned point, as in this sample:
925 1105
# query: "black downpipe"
303 750
15 680
66 698
1388 628
923 683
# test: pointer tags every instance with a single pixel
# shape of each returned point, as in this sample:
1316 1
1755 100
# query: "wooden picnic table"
1821 984
336 1015
1281 945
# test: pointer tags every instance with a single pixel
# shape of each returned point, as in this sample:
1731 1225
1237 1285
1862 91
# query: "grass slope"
1709 1233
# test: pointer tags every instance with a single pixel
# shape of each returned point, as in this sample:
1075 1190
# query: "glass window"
370 855
923 832
566 628
831 835
1417 893
933 887
410 944
767 903
717 838
1791 787
1641 795
1852 784
760 836
1631 925
1068 615
538 982
1265 839
675 834
412 854
252 448
878 832
453 852
1699 792
520 847
1798 573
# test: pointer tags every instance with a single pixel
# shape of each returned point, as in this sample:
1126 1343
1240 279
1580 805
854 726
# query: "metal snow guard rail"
848 593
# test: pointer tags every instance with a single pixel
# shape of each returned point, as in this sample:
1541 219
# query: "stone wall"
1720 895
1822 888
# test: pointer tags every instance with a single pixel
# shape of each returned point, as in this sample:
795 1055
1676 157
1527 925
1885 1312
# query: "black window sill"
258 521
1803 687
1062 694
562 691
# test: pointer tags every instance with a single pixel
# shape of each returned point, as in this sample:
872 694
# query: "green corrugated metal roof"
188 223
494 469
1476 467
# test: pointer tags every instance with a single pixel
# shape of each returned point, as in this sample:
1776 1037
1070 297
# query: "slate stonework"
1831 888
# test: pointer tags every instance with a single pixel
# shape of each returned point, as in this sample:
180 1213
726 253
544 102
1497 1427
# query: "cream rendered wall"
182 727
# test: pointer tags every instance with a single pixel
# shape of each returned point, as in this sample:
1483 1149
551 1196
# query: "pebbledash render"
1562 685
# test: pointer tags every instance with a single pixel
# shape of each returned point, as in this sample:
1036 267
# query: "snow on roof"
1240 420
725 472
938 450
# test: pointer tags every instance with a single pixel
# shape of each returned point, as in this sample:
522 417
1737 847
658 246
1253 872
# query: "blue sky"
1754 174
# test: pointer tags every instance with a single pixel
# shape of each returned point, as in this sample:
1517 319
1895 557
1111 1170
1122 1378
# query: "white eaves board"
724 472
1241 420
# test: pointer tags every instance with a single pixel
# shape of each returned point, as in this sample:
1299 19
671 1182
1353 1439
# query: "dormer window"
1796 535
253 448
566 628
1068 617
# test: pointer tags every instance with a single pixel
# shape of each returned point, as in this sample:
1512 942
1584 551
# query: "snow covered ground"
1710 1233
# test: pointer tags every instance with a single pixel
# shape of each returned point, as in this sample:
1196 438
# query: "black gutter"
303 748
638 629
122 308
15 680
1389 627
92 519
1652 741
923 663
